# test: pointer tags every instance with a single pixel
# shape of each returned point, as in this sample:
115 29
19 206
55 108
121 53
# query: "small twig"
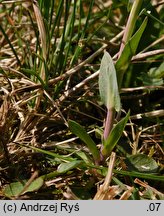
71 71
158 4
78 86
108 177
101 194
153 87
107 42
145 185
33 177
155 113
127 194
13 1
141 56
153 44
160 148
55 104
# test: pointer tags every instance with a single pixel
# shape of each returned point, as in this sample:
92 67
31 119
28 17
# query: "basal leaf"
65 167
114 136
35 185
15 188
80 132
141 163
108 83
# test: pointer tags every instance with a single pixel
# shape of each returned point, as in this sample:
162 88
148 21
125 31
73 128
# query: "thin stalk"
130 24
109 122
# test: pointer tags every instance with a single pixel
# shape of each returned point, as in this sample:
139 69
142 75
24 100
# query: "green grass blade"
144 11
83 33
129 173
80 132
140 175
50 153
58 12
10 44
69 34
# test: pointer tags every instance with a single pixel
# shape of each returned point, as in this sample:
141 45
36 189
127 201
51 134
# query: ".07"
154 206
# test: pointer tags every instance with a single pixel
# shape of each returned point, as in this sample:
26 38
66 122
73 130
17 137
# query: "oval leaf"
108 83
15 188
141 163
65 167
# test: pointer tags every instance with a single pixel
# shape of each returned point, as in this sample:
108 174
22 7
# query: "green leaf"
129 51
84 157
98 132
140 175
154 76
51 154
141 163
148 80
15 188
151 176
108 83
80 132
33 73
65 167
158 72
114 136
10 44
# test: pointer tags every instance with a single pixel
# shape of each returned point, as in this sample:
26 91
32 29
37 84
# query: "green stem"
131 23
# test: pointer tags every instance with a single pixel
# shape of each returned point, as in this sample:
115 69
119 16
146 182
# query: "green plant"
110 82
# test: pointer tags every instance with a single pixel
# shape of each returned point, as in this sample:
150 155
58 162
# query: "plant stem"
109 122
130 24
107 129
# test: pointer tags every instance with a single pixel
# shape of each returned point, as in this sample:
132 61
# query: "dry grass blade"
127 194
155 113
42 32
33 177
146 186
7 115
105 191
109 194
142 56
72 70
69 195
